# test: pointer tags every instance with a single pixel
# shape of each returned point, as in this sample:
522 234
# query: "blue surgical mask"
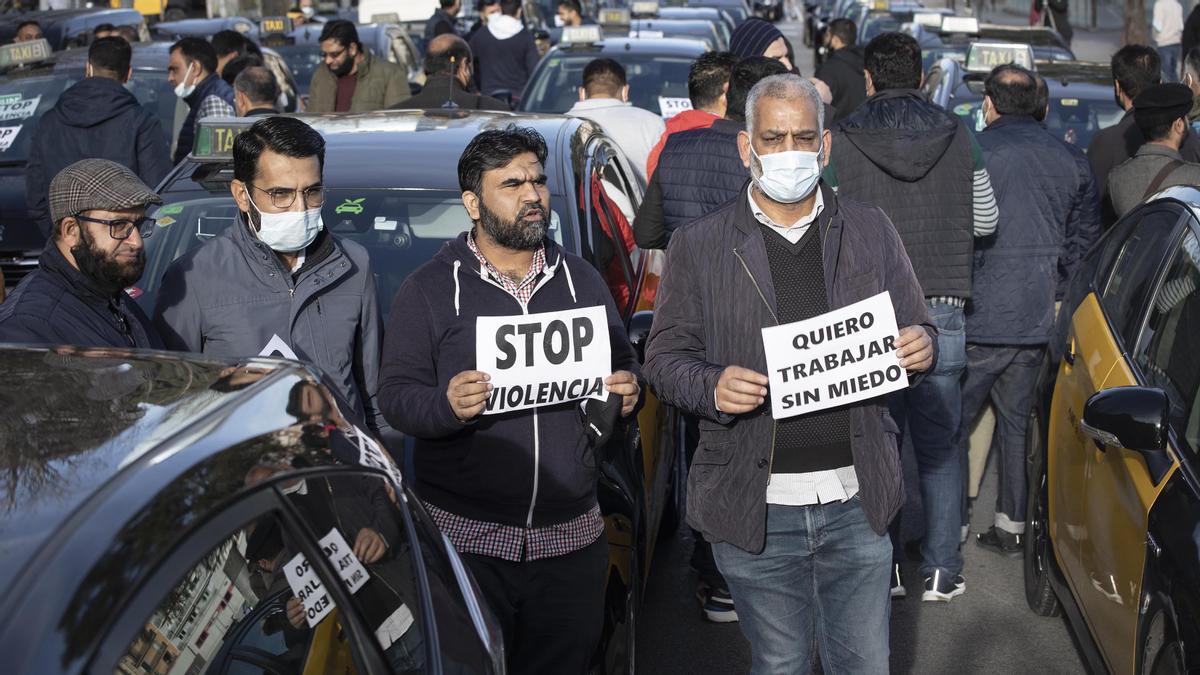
788 177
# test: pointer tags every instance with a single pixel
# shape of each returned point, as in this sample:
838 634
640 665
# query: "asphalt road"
987 630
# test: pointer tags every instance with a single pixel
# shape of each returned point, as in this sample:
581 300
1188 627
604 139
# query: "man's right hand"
468 392
740 390
295 612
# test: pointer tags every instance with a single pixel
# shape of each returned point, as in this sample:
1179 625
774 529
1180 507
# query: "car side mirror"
639 332
1134 418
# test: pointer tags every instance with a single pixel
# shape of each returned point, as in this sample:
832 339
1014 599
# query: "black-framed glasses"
326 56
283 198
121 228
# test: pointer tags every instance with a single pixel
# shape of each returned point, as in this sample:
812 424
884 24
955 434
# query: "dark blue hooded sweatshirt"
485 469
96 117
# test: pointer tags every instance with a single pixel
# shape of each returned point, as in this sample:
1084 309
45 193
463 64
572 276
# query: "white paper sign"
19 109
348 566
840 357
543 359
670 107
7 136
305 584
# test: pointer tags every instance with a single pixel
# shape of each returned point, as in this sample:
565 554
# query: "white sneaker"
941 588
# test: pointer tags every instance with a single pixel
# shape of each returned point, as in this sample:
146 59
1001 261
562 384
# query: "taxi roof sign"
928 19
581 34
982 57
960 24
271 25
387 17
21 53
214 138
615 16
644 7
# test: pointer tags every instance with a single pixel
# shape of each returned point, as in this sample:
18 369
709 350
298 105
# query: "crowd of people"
777 197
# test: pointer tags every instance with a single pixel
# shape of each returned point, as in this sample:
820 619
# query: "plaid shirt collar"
522 290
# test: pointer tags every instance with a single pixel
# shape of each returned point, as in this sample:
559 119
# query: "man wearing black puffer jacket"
96 117
699 170
843 70
921 166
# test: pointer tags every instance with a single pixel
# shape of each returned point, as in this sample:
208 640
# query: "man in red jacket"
708 80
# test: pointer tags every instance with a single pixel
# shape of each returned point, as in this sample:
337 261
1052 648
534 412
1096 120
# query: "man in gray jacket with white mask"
276 283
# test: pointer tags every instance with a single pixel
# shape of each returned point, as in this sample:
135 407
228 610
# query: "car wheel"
1038 591
1161 653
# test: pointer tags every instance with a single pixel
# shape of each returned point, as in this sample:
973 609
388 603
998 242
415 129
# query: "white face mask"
183 89
788 177
308 12
289 231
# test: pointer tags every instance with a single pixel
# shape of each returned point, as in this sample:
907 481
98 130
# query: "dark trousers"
551 610
1006 375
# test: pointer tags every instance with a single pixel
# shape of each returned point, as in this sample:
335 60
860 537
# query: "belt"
960 303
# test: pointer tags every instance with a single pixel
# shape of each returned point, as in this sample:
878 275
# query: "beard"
103 268
344 69
517 234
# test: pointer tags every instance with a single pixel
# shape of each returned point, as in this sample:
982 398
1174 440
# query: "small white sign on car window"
305 584
671 106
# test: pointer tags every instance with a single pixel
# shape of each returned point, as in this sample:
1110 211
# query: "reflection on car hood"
75 416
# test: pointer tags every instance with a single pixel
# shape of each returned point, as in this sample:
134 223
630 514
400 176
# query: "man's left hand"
624 383
915 349
369 546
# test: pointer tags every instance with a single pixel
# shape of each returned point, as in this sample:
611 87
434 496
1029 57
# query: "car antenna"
450 104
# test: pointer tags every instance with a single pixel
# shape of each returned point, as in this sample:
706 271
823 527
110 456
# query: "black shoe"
716 603
1004 543
899 592
942 588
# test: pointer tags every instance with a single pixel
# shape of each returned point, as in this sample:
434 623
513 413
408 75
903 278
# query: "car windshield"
23 100
1074 120
303 61
401 230
650 78
875 26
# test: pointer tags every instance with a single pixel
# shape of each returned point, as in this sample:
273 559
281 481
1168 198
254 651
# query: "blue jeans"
823 571
931 412
1169 54
1007 375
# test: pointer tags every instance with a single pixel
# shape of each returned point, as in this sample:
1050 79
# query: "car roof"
640 47
75 418
371 143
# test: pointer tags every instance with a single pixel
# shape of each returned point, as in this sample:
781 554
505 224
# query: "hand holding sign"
915 349
624 384
468 393
295 612
740 390
369 546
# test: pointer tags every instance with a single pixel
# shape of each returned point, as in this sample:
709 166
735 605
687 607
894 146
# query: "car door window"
1138 263
228 613
1167 355
610 203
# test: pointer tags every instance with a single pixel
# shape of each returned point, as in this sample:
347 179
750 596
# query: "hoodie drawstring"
570 284
457 264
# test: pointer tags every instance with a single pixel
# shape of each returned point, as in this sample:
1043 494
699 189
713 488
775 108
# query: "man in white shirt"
604 99
1167 25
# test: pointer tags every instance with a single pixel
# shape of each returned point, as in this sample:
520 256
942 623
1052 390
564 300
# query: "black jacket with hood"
914 161
843 72
96 117
528 468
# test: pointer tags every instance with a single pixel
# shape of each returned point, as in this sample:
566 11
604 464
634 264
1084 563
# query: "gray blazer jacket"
715 298
1127 183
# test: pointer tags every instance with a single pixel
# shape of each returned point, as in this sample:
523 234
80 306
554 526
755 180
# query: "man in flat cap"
77 294
1160 113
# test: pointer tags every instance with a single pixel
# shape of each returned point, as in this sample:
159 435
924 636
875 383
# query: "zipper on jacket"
774 422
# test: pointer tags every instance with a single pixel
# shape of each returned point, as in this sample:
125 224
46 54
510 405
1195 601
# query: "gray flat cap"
97 184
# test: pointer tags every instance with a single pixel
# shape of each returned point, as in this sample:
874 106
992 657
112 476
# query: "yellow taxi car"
1114 499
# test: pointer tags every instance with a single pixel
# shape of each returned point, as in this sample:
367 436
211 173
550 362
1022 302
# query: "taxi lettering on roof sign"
274 24
581 34
214 138
19 53
387 17
928 19
644 7
984 56
614 16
